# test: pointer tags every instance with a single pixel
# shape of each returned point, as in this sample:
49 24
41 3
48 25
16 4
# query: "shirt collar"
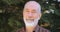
36 29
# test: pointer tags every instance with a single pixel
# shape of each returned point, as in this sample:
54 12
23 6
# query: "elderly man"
31 15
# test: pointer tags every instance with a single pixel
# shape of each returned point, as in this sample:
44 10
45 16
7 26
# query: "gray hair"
33 4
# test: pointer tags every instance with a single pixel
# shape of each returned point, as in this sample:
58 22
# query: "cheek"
36 16
24 15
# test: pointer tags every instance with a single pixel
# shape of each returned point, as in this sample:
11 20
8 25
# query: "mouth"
30 20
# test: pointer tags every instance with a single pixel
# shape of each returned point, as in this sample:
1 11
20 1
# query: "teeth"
29 20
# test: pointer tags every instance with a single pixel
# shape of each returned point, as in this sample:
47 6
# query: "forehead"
31 8
34 9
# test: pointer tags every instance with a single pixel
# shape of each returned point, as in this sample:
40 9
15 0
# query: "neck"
30 28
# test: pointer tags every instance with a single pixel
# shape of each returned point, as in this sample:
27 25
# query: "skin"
31 14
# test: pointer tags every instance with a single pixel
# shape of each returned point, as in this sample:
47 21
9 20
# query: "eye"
33 11
27 11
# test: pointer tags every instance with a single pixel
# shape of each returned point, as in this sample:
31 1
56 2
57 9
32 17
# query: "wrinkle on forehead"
33 5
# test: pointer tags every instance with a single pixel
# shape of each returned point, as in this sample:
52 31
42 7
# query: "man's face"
30 14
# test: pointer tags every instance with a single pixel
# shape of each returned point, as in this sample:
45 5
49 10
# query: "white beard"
31 23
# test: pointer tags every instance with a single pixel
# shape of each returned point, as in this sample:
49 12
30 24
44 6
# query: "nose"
30 14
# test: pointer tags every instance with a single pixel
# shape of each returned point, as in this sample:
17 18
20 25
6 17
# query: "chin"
28 22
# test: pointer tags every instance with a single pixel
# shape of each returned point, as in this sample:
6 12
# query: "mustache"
30 19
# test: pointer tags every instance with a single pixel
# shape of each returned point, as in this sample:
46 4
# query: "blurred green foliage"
11 17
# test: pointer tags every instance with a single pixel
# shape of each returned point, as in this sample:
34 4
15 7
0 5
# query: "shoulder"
21 29
44 30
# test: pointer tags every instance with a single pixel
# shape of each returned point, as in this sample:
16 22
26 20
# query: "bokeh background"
11 17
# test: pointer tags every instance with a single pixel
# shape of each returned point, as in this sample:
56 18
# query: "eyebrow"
33 10
26 9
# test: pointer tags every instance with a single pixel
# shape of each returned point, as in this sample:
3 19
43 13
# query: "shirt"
38 29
